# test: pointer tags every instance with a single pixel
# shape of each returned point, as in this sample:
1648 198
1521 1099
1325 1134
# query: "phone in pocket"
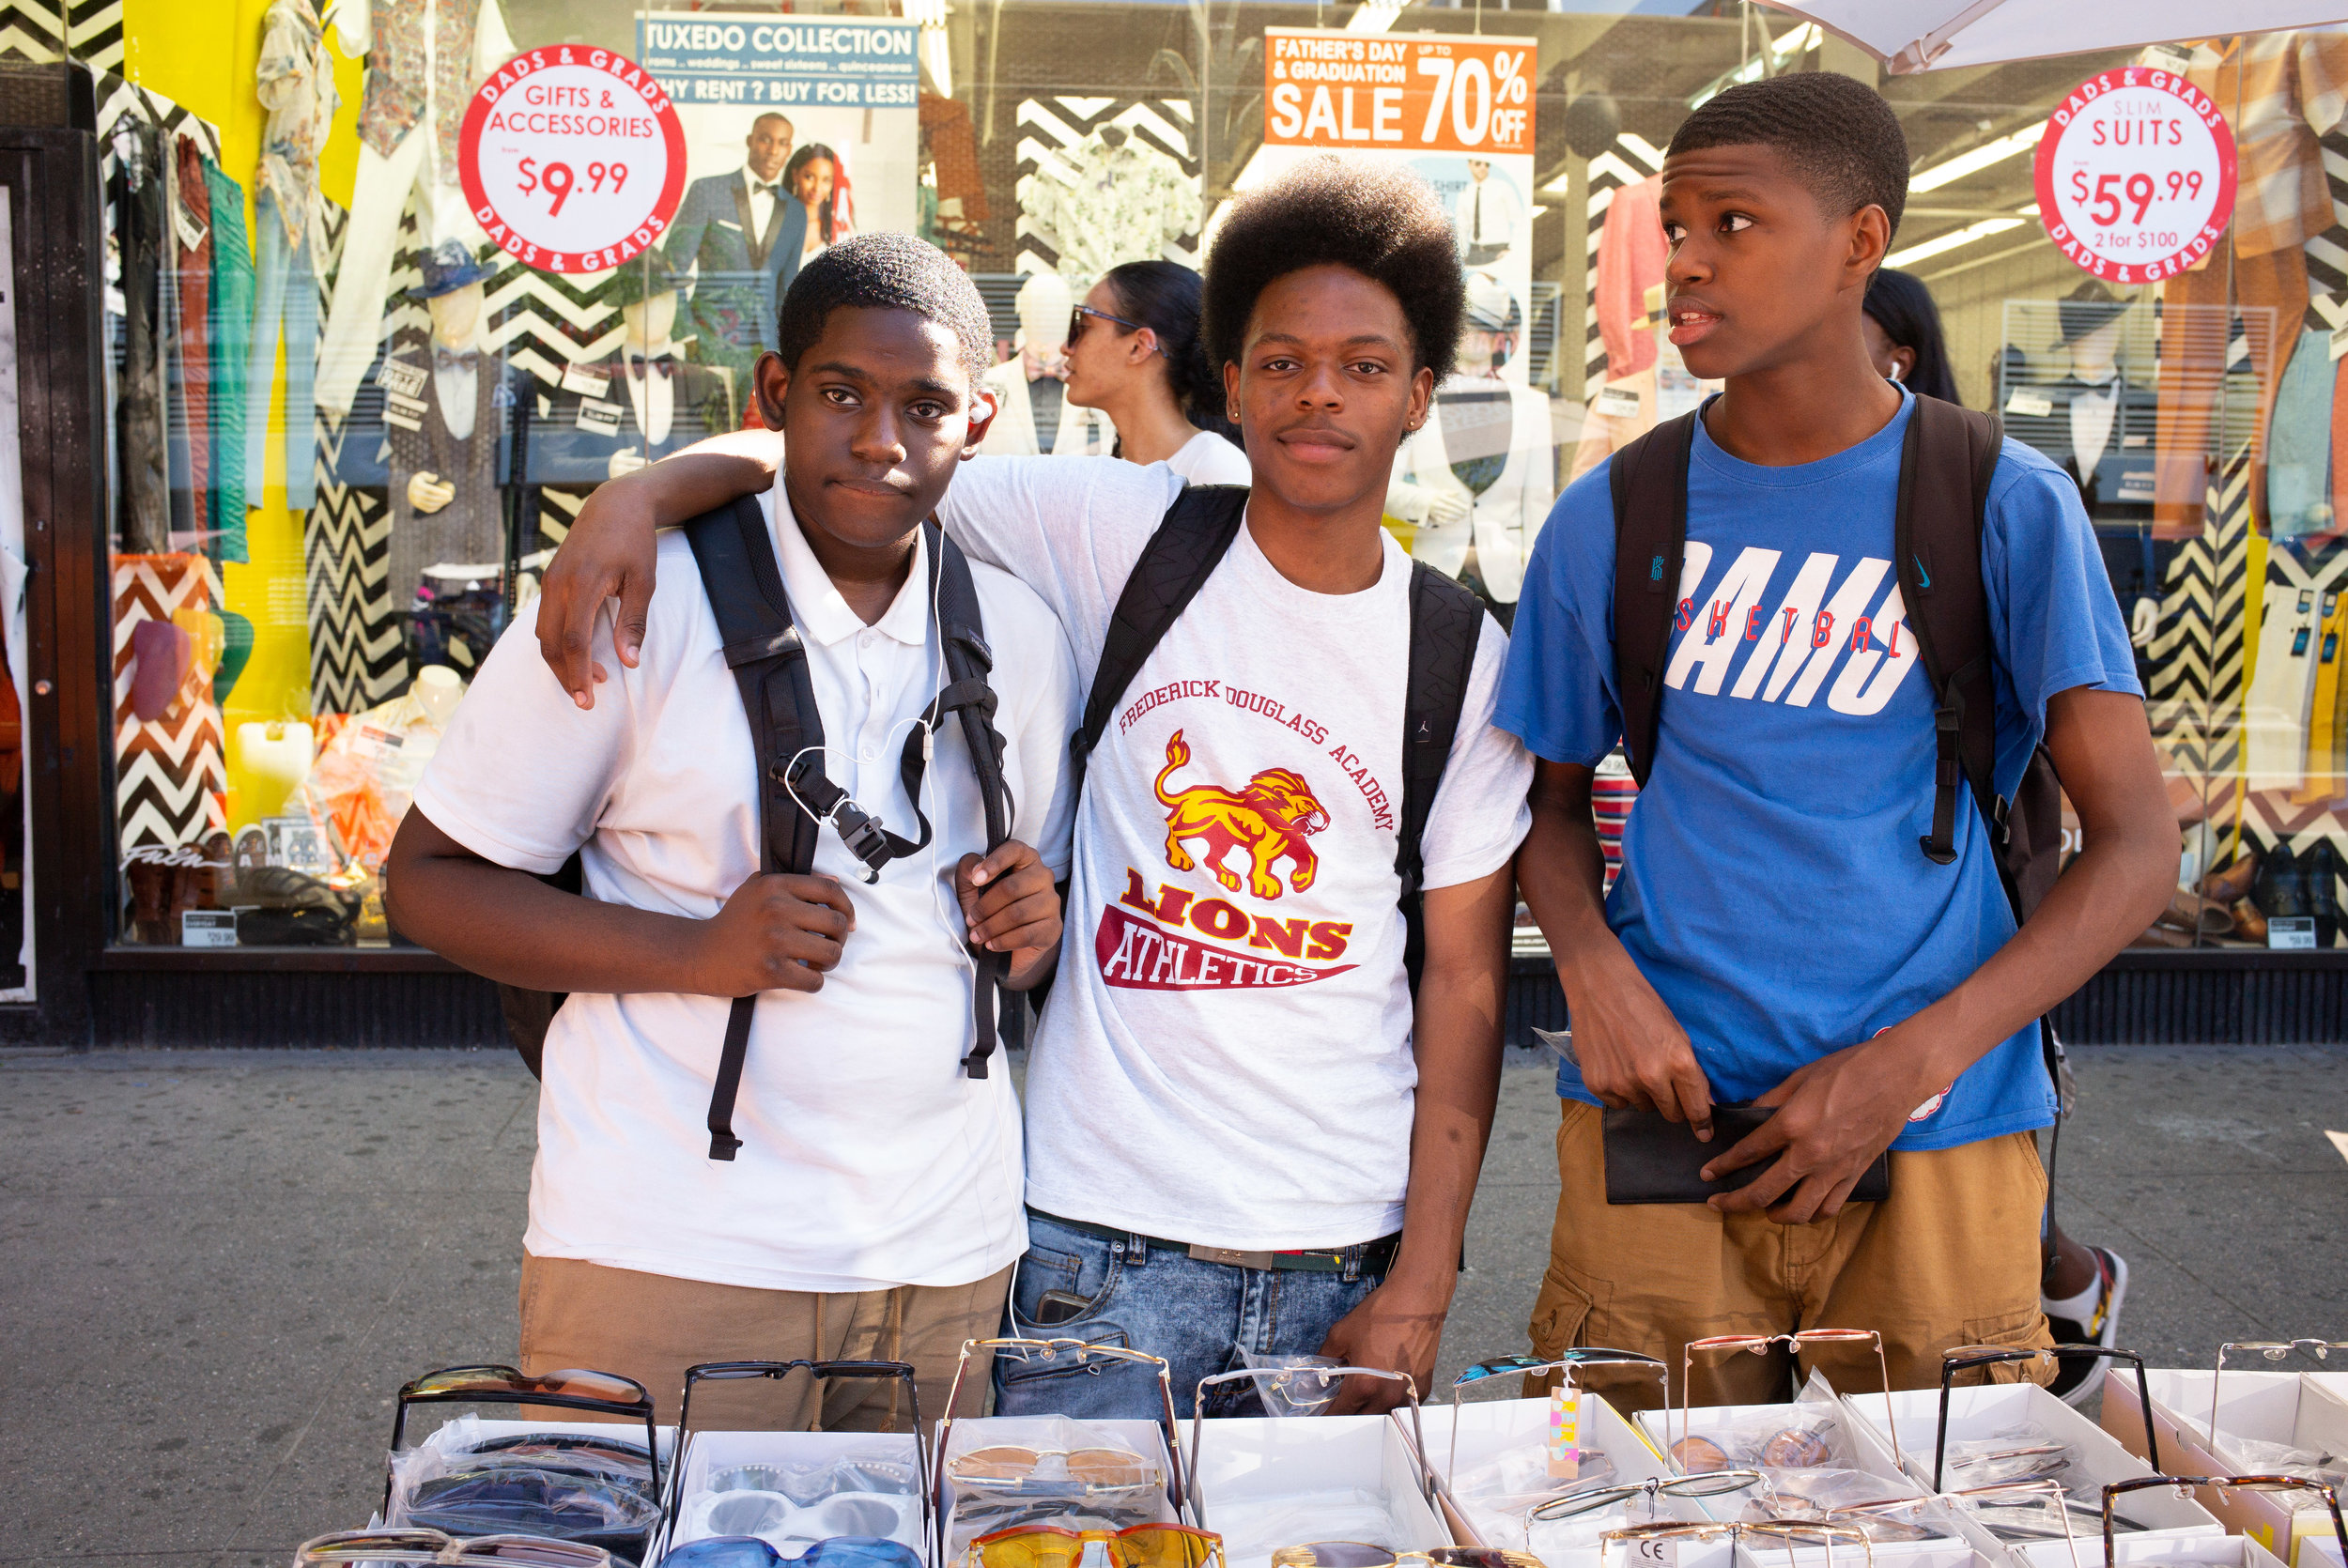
1059 1306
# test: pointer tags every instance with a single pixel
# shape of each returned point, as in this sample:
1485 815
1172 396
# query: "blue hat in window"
449 266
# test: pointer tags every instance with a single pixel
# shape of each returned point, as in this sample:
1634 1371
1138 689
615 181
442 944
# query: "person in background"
816 181
2083 1287
1134 353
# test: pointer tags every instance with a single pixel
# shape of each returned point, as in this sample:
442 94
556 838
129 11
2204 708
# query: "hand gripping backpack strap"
769 664
1446 619
968 662
1189 544
1650 482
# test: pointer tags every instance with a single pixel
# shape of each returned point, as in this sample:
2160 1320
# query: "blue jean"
1196 1314
284 291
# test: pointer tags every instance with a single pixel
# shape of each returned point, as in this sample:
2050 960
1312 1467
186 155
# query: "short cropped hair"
1384 223
884 270
1837 135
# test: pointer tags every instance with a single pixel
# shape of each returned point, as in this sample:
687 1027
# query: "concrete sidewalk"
216 1267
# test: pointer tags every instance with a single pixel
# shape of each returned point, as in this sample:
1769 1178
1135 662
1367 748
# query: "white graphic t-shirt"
1225 1058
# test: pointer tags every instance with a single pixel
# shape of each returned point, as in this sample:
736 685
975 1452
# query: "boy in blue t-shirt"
1776 934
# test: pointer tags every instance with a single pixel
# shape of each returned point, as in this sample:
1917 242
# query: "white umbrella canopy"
1910 36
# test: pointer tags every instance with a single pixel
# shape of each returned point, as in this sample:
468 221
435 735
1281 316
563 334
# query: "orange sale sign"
1414 92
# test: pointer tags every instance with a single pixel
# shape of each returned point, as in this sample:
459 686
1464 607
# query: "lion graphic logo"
1270 819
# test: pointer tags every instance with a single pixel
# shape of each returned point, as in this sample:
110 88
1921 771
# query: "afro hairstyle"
886 271
1384 223
1839 137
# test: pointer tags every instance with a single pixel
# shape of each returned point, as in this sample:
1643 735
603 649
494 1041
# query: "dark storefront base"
166 997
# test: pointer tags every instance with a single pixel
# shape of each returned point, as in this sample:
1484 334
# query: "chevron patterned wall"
170 777
93 31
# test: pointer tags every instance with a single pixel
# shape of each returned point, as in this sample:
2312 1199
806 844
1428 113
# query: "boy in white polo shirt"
873 1206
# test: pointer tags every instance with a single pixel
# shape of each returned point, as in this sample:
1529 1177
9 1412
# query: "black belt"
1362 1257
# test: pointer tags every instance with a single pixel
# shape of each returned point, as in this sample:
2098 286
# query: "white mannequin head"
455 317
649 320
1045 302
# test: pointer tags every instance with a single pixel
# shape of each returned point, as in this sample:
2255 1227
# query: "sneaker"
2076 1382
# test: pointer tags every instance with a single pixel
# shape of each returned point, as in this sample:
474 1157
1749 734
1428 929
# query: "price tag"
213 928
586 383
572 158
2135 175
2292 931
2034 405
1565 1431
1618 402
598 418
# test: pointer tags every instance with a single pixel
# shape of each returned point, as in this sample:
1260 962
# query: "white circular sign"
572 158
2135 175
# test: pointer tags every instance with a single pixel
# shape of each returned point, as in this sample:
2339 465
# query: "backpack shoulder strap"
1650 482
1447 620
1947 462
969 661
769 663
1181 555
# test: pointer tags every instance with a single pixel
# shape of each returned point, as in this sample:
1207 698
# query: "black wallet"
1650 1159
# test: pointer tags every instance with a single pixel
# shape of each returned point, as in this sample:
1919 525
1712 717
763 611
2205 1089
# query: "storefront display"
343 422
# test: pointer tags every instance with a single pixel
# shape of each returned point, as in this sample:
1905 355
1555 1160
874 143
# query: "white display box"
1857 1444
709 1452
2267 1406
1987 1410
1148 1438
1490 1428
454 1430
1251 1466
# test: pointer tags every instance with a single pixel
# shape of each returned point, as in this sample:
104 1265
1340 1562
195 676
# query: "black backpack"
1946 465
1447 618
769 663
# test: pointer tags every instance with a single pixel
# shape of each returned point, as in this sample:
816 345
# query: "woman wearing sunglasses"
1134 353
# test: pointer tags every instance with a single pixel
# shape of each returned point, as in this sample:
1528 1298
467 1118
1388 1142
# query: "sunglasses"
749 1551
784 1488
1010 1467
2271 1351
432 1545
1759 1344
1361 1554
1967 1356
1076 324
2185 1483
602 1393
1712 1485
1075 1352
1139 1546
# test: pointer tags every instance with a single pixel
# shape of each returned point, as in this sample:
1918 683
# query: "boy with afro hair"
1243 1131
1778 934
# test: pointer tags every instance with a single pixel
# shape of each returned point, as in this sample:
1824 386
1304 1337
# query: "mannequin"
425 59
447 413
1035 417
618 414
1477 479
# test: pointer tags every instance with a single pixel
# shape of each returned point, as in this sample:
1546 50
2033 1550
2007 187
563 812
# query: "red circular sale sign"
573 159
2135 175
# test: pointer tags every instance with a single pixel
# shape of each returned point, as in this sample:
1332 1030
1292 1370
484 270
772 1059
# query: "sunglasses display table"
2301 1410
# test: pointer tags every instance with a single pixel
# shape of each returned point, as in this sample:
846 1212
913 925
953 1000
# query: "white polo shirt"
868 1160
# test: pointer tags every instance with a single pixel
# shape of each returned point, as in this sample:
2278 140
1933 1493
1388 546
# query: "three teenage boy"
1769 939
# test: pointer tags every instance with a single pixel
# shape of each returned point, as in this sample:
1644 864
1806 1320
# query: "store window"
348 430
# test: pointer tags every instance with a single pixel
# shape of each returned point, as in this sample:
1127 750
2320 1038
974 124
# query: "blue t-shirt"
1772 887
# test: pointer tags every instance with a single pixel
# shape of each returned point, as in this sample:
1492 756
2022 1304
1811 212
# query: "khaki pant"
650 1328
1951 1259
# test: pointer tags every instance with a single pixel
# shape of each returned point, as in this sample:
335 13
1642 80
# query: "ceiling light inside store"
1950 241
1801 41
1375 17
1979 158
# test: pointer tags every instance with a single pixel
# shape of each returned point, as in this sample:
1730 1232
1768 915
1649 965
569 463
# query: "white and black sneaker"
2091 1318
